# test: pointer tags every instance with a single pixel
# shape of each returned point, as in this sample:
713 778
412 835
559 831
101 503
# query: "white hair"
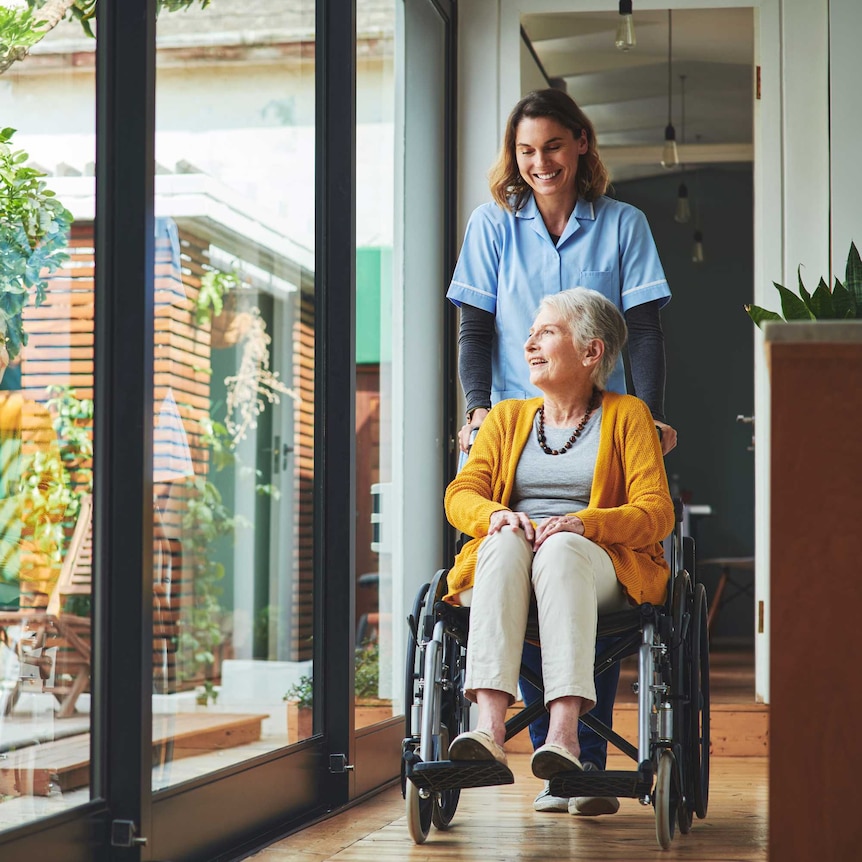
590 315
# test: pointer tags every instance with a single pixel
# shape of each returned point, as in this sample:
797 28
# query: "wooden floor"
498 824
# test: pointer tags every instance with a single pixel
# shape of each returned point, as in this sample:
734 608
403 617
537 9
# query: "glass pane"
234 375
375 200
46 410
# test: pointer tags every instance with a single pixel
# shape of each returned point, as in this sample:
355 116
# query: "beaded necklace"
540 433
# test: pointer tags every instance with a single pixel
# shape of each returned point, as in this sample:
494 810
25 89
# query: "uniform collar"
583 210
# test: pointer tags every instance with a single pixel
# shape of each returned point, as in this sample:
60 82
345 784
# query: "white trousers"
573 579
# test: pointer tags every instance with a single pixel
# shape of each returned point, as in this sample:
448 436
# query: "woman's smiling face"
551 352
547 155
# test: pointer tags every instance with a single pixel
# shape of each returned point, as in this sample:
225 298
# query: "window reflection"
46 415
234 385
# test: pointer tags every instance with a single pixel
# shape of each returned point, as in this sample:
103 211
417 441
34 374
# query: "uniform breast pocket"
604 281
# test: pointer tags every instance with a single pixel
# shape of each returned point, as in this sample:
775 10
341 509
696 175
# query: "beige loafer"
593 806
476 745
550 760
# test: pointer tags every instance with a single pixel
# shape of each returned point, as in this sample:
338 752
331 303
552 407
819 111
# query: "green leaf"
853 276
843 302
759 315
792 307
820 303
806 296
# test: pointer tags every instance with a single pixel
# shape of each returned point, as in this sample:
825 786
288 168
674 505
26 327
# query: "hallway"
499 824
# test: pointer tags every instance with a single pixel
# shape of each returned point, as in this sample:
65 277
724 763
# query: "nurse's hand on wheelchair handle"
467 429
667 435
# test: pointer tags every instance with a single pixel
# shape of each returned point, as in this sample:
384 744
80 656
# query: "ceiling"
625 94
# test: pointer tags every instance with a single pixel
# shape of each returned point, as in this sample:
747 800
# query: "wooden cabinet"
815 590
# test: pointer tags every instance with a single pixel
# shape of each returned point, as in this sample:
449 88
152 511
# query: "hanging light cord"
669 67
682 96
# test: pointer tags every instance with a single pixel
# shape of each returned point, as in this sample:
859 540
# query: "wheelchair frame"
672 752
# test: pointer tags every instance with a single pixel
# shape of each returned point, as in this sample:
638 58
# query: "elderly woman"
567 496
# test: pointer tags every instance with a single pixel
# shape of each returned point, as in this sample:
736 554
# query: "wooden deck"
64 764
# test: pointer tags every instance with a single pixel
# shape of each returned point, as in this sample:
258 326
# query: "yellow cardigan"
630 511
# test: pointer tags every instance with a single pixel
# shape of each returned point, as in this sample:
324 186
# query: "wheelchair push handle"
463 456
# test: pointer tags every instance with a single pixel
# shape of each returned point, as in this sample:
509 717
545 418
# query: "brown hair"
507 185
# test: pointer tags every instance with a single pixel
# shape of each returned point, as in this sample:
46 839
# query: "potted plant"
34 228
299 702
206 694
843 302
370 707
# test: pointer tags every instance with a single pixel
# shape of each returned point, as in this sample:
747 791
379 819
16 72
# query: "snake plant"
843 302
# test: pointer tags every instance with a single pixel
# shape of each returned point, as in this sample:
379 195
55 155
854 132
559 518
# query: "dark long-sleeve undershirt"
646 355
475 342
645 344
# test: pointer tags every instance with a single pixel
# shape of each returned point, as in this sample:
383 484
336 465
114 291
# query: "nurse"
550 227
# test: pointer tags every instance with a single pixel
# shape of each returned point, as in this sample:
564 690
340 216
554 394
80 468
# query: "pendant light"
683 209
697 248
669 153
625 38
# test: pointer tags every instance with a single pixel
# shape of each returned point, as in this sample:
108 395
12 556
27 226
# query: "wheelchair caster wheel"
419 812
666 800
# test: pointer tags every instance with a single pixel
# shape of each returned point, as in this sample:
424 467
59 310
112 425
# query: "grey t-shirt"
547 485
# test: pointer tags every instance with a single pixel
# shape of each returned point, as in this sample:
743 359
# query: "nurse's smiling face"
547 155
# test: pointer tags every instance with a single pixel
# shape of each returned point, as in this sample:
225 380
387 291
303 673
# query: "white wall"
845 19
479 118
419 448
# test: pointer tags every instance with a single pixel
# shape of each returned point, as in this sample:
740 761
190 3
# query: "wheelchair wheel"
445 803
666 799
699 713
681 658
454 719
412 671
419 813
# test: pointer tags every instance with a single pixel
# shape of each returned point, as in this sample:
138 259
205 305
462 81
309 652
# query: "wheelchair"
671 642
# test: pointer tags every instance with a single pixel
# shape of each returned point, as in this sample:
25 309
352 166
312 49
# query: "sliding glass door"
47 591
234 337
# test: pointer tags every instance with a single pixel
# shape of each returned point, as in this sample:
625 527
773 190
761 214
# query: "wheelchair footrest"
443 775
612 783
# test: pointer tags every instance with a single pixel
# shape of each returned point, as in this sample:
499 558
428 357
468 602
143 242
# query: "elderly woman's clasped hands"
535 535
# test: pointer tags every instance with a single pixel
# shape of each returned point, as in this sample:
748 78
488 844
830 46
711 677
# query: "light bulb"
697 250
625 38
683 210
669 153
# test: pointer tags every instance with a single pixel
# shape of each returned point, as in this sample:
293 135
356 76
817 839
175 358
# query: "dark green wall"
710 360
